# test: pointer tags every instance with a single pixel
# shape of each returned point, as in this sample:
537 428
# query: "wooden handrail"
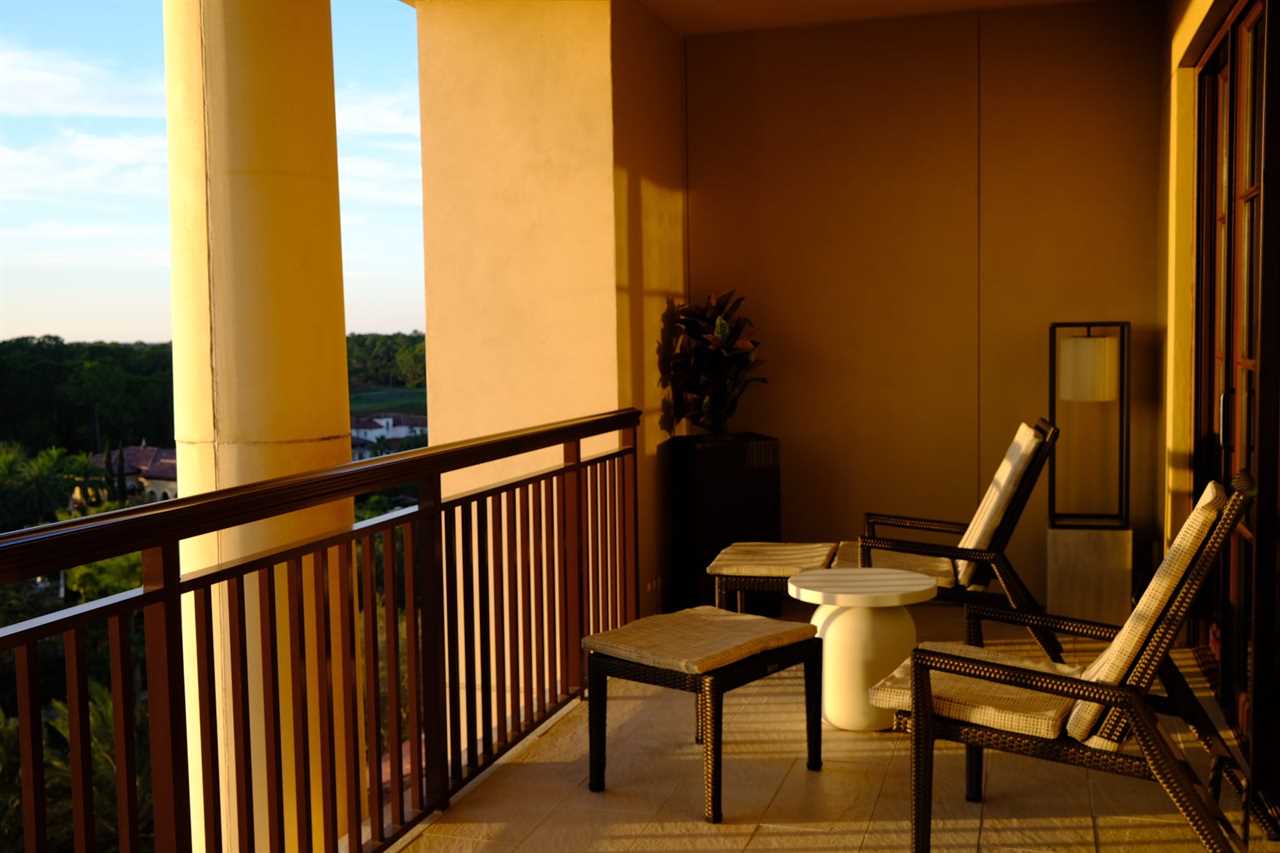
49 548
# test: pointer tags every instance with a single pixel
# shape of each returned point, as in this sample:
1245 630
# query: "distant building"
378 435
151 472
387 426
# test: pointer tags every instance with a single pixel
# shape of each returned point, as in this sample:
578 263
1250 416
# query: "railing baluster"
413 644
80 741
630 547
606 541
298 667
373 699
511 499
122 718
538 615
239 666
468 662
571 529
391 627
619 567
598 588
350 746
526 609
431 676
486 657
562 594
166 712
31 748
499 620
324 701
207 691
452 652
269 638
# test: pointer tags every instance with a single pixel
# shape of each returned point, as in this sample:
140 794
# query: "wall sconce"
1089 366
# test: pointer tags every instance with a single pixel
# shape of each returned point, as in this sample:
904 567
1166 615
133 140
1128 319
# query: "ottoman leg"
813 705
597 703
697 719
712 729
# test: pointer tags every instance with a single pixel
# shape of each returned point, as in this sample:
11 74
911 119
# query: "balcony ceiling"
713 16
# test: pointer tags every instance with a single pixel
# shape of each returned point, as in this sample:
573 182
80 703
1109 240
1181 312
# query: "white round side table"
866 632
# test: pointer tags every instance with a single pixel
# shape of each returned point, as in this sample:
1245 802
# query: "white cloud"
78 167
51 83
364 111
54 245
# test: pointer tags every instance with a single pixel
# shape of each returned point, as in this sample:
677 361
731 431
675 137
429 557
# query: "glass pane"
1248 402
1220 284
1224 147
1255 148
1246 278
1244 101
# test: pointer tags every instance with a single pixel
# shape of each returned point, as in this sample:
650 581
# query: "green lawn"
369 401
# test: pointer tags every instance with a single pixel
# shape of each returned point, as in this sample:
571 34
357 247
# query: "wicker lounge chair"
708 652
964 570
983 699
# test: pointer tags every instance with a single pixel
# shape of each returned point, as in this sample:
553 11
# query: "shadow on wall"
649 224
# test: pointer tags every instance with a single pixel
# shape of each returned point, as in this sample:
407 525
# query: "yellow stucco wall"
907 205
1070 141
649 238
517 154
1189 21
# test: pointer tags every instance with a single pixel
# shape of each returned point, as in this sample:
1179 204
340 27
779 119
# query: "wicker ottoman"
764 566
708 652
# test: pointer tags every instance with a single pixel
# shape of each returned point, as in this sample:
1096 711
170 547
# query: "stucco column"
259 348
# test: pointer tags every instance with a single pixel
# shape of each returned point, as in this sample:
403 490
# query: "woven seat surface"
696 640
849 556
984 703
771 559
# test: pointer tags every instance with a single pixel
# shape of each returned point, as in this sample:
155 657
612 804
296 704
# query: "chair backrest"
1146 636
997 516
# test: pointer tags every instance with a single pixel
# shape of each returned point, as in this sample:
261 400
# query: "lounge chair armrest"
927 549
978 613
1109 695
908 522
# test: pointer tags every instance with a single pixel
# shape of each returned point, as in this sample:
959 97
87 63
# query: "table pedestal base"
860 646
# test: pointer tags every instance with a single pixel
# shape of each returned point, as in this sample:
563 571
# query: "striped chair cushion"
1115 662
771 559
997 706
996 501
849 556
696 640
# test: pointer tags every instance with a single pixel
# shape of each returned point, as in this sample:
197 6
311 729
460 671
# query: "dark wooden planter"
720 490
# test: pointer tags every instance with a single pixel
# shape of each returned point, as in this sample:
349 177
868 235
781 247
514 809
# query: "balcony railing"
439 636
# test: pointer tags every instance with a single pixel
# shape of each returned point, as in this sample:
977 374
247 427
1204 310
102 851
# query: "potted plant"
721 486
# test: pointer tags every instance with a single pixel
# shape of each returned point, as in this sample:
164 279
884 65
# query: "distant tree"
34 489
411 361
386 360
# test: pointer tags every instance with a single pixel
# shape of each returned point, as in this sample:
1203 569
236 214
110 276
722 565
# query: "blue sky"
84 222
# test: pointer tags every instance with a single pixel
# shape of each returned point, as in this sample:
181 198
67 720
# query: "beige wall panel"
649 238
1070 111
517 145
833 182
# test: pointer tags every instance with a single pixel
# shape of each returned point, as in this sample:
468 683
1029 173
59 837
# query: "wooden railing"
362 677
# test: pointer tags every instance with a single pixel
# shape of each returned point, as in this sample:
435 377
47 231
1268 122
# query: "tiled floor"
537 800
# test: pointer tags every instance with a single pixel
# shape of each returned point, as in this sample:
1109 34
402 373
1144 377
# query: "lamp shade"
1089 368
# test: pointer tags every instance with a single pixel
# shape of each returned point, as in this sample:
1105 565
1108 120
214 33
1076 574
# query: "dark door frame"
1255 632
